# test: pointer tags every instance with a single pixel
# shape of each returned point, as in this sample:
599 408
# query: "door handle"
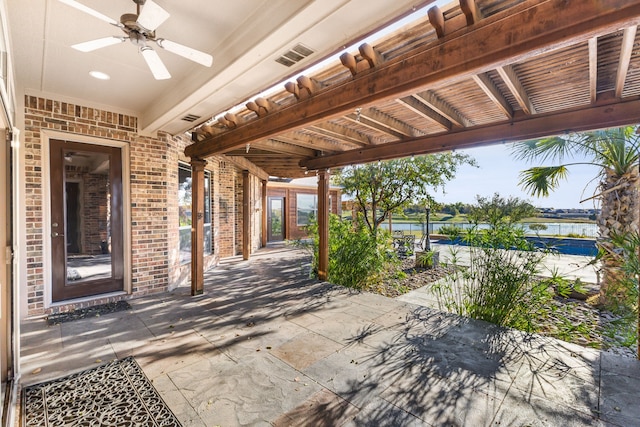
56 234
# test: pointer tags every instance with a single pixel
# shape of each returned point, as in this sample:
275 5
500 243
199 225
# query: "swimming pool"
586 247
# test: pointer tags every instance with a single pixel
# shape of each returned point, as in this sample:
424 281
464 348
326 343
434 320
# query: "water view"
573 229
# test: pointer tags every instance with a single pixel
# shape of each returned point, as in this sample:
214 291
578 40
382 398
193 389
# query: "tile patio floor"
267 346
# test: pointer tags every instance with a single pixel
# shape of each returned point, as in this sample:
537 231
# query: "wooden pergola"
480 72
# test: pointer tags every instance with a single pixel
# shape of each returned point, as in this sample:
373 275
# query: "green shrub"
357 258
500 284
451 231
621 296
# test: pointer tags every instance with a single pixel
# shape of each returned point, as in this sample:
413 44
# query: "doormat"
114 394
83 313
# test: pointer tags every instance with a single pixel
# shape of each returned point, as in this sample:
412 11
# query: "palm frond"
554 149
540 180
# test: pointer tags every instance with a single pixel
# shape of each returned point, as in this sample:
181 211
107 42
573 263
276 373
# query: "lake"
553 228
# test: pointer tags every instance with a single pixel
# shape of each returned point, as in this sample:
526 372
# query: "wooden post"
323 224
197 226
246 215
264 213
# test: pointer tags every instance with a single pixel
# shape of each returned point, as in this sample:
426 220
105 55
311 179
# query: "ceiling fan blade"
98 43
186 52
155 64
91 12
152 15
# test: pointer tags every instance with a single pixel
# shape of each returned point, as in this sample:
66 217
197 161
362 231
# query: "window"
184 212
307 208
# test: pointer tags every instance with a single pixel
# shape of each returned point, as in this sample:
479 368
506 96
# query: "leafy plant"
500 284
621 296
497 209
451 231
357 259
382 188
427 259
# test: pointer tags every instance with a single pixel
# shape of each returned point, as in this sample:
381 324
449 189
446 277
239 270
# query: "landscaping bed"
569 319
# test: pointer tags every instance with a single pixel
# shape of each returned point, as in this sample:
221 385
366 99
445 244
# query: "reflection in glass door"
86 220
276 219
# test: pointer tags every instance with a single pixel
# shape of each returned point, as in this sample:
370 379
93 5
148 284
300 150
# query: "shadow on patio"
267 345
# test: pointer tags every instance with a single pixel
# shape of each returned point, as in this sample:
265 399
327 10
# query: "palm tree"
616 152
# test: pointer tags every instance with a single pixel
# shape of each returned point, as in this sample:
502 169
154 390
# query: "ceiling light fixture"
99 75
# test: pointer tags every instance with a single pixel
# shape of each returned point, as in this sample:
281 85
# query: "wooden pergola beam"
341 133
418 107
366 122
390 123
512 81
284 148
243 163
604 115
492 91
309 141
593 69
246 215
444 109
519 33
628 40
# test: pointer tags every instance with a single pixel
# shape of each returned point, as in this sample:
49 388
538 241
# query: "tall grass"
500 283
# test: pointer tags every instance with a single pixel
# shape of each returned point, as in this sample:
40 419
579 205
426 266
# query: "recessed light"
99 75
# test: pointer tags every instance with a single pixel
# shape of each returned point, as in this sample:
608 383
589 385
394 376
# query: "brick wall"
155 260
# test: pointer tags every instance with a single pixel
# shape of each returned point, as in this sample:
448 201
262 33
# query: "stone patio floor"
266 345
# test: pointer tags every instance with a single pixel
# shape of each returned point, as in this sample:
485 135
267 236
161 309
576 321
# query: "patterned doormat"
114 394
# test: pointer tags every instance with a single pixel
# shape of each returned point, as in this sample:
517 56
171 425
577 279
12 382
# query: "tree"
615 151
382 188
500 210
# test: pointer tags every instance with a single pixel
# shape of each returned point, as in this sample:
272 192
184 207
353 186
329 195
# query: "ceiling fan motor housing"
131 25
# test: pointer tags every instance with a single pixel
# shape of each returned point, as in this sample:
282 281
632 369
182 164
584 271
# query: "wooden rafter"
390 123
341 133
309 141
604 115
628 40
364 121
512 81
418 107
444 109
284 148
490 89
593 69
512 36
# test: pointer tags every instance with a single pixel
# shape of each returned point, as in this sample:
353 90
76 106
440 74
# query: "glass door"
276 219
86 220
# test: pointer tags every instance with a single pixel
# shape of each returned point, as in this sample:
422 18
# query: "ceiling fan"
140 28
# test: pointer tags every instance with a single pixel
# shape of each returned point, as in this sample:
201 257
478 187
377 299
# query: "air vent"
190 118
294 55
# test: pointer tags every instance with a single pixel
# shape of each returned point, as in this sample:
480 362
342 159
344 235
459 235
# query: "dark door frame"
281 236
61 290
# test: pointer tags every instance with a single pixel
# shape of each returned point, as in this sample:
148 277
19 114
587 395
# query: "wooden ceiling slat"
523 32
522 127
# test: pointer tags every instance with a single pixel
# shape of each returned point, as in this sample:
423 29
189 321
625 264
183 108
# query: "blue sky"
499 171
